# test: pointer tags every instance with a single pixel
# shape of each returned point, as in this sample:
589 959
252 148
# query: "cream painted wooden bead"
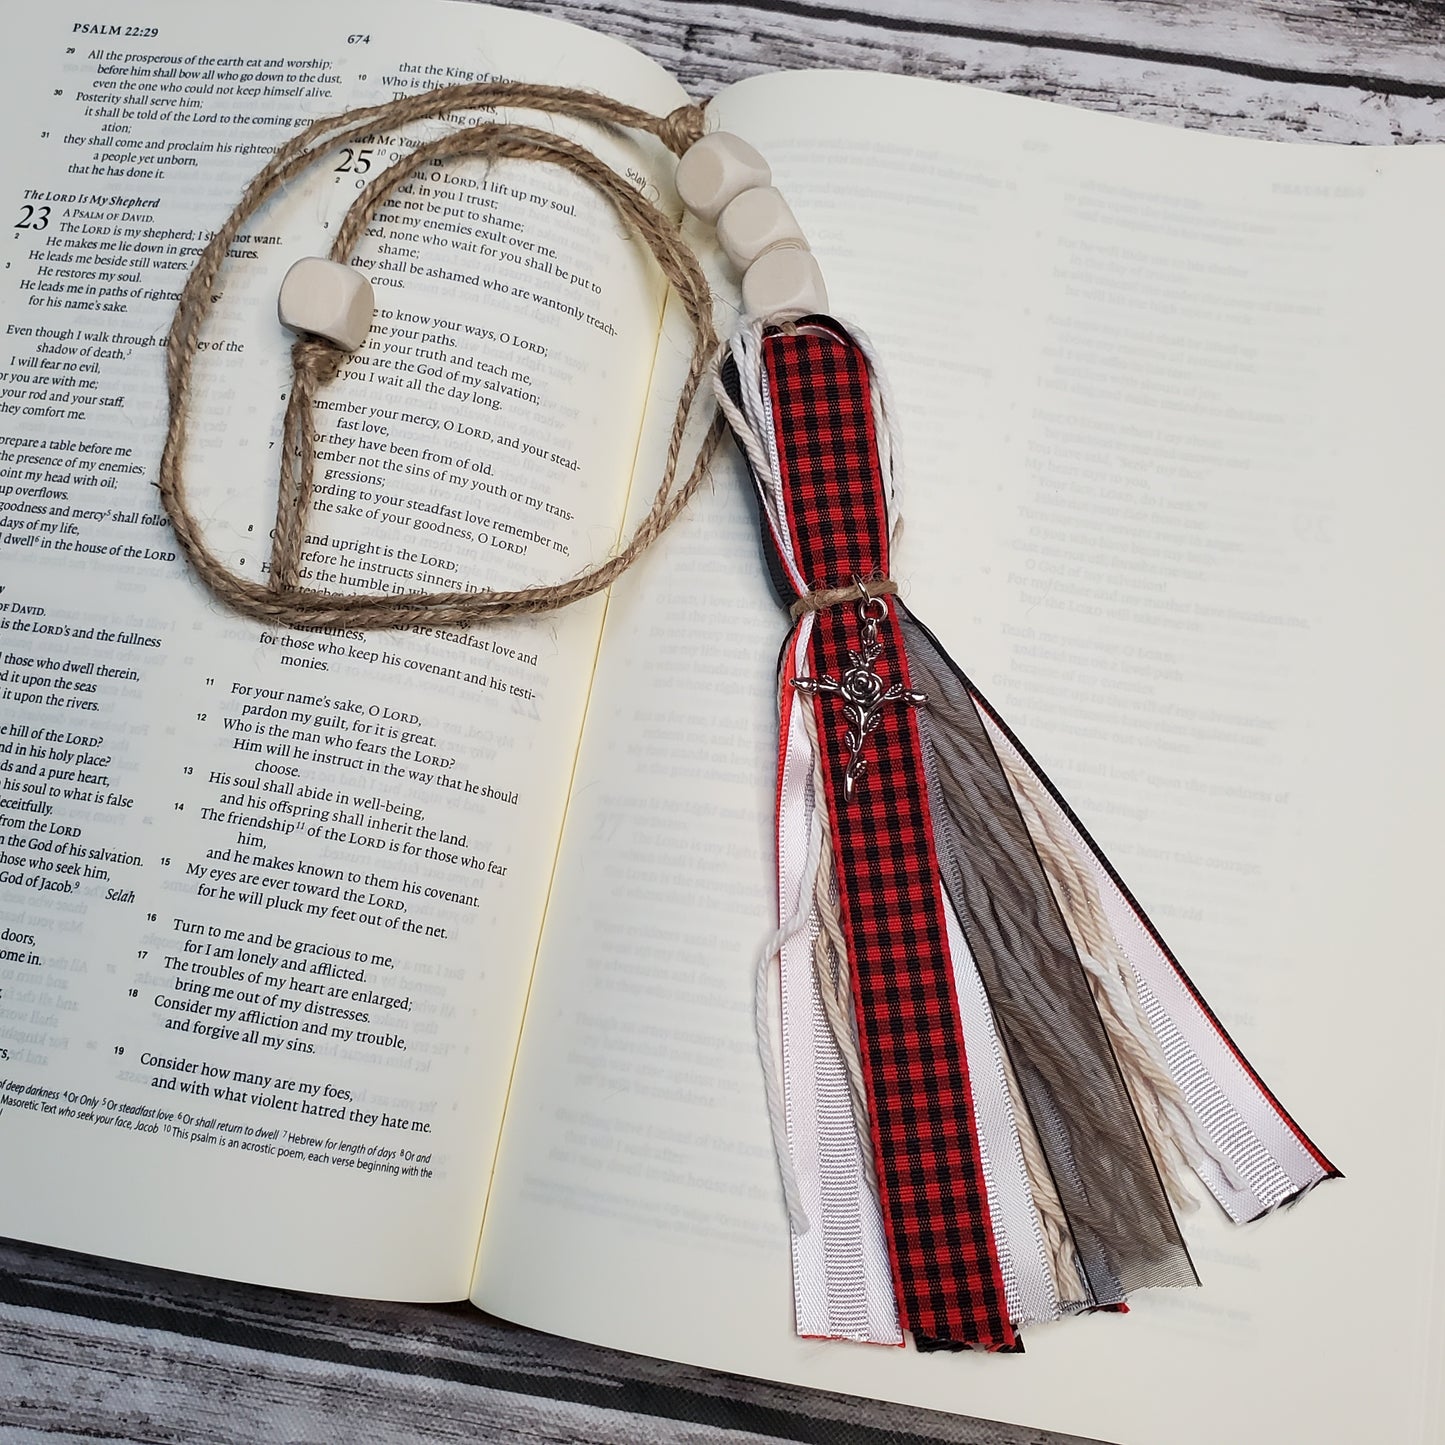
784 281
324 298
715 169
755 223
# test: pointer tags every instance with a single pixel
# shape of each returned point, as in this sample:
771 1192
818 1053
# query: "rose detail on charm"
862 690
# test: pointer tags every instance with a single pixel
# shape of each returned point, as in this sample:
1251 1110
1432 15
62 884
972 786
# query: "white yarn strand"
767 990
753 425
890 446
770 1045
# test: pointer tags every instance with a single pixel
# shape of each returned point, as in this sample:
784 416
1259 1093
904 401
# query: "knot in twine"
859 591
315 361
682 128
283 599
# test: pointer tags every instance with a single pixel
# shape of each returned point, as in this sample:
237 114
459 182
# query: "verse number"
33 218
356 160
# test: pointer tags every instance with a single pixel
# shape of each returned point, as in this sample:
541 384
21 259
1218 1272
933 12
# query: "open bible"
419 965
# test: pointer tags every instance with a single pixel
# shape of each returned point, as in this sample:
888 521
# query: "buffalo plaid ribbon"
932 1189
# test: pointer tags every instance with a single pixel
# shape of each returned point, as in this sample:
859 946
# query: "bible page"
1169 497
269 897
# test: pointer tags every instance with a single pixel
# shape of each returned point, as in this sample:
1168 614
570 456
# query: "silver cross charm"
862 691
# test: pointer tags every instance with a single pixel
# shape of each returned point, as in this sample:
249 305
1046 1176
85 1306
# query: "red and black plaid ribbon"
931 1180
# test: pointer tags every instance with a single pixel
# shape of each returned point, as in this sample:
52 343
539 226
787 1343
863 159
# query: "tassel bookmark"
995 1080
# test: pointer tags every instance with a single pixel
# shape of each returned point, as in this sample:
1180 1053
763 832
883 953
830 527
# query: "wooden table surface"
91 1349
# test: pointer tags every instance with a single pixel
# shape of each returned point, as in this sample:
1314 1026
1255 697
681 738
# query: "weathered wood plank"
81 1372
87 1342
709 45
1390 42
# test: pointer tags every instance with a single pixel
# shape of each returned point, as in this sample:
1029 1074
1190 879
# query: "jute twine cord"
283 600
836 596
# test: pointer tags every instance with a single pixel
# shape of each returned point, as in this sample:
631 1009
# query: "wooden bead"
324 298
715 169
754 223
782 282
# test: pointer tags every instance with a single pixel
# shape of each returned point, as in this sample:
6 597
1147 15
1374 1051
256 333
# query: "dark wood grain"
1294 71
91 1349
143 1354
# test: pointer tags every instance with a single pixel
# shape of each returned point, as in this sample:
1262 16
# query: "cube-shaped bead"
754 223
324 298
715 169
785 281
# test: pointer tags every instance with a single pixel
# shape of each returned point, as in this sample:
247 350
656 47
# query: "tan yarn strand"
283 600
1173 1137
1145 1075
1062 1257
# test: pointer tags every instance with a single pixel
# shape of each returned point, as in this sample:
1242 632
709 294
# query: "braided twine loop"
282 600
